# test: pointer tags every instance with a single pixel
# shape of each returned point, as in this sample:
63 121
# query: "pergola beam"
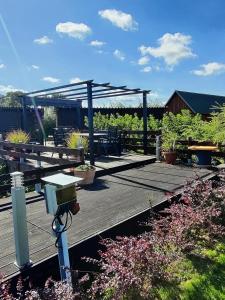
58 88
67 91
107 95
85 93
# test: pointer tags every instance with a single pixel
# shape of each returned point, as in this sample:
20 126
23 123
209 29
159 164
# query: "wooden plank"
41 148
50 160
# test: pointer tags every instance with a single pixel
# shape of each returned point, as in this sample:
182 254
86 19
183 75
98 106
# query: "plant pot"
170 157
88 176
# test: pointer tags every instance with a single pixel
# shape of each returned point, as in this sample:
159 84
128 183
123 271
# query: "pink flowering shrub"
132 266
52 290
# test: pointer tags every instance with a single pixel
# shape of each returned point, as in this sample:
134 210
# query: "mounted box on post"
60 192
61 199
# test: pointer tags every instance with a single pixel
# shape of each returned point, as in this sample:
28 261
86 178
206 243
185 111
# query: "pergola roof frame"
65 89
65 96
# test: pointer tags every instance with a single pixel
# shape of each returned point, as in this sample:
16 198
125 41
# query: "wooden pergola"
72 95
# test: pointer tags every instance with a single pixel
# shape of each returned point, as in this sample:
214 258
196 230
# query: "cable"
57 218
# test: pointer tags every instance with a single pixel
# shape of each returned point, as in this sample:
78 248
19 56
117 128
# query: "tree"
11 99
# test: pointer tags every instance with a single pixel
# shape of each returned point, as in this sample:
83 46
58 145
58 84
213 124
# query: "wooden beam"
145 122
46 159
90 123
41 148
110 95
58 87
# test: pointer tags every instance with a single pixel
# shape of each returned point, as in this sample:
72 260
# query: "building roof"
200 103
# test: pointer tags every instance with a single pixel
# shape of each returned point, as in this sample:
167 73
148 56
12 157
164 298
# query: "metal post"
145 122
78 110
63 255
157 148
90 122
20 221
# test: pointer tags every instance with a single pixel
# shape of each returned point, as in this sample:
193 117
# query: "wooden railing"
134 140
32 177
35 152
67 158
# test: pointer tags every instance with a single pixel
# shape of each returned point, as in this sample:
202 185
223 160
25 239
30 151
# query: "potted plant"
87 172
76 141
168 147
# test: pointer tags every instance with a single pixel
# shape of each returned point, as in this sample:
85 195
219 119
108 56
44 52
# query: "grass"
201 277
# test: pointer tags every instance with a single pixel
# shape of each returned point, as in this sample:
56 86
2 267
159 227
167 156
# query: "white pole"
20 221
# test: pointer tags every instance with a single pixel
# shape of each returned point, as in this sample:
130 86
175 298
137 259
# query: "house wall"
176 104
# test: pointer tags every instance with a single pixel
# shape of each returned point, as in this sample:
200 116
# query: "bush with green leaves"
216 125
126 122
183 126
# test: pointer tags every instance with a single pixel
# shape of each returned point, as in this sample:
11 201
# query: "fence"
134 140
12 118
75 116
157 112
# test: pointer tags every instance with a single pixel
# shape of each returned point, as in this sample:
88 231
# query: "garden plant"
18 137
180 255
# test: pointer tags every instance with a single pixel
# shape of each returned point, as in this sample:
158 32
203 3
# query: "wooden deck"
111 200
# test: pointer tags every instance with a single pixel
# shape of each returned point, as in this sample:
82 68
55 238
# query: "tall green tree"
11 99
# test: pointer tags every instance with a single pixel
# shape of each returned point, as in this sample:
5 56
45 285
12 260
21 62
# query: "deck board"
111 200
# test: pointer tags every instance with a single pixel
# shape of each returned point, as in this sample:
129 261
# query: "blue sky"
152 44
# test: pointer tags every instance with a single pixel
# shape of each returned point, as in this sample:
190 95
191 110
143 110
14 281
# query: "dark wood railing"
35 152
67 158
134 140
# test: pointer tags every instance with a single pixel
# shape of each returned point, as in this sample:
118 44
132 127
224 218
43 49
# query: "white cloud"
9 88
119 19
146 69
74 30
212 68
35 67
75 80
43 40
143 60
51 79
172 48
97 43
119 54
2 66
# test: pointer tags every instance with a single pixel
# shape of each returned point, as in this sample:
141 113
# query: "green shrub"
126 122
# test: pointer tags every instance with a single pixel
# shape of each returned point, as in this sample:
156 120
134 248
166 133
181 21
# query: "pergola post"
24 114
90 122
145 122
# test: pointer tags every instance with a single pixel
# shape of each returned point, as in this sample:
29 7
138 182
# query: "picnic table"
204 154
